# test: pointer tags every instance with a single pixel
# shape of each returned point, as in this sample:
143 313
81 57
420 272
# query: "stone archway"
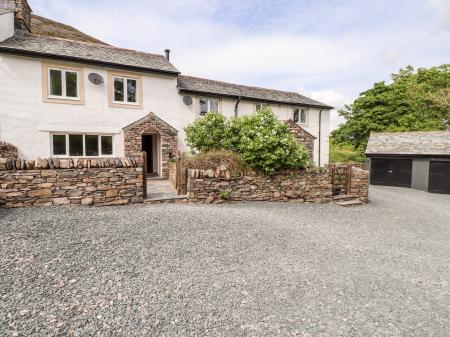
152 124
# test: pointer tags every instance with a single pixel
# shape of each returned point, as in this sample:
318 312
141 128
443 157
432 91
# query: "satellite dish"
95 79
187 100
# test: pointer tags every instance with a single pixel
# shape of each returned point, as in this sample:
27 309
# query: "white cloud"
443 7
335 99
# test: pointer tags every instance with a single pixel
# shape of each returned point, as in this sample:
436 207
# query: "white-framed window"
208 105
125 90
300 115
259 106
63 83
81 145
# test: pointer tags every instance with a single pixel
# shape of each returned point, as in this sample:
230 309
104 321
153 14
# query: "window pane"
203 106
71 84
131 90
91 145
303 116
76 145
214 105
258 107
59 144
107 145
118 89
296 113
55 82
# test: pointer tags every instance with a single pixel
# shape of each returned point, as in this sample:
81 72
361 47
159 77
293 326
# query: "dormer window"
300 116
62 84
208 105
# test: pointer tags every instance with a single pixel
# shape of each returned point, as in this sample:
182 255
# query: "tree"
411 102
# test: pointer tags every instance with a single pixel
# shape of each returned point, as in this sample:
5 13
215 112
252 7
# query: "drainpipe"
320 134
237 106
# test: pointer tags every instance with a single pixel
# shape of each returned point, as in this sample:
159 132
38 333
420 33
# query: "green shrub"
206 133
345 153
265 143
260 139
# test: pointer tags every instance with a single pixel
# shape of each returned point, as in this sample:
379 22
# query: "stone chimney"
22 20
167 51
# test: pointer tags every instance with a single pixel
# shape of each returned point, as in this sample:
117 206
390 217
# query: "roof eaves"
86 61
254 99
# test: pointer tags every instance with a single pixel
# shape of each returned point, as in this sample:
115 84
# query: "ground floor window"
82 145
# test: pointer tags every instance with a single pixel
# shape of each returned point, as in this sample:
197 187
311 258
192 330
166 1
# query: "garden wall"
360 184
85 186
213 186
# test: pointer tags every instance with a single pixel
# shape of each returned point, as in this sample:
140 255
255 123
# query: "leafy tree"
207 133
410 103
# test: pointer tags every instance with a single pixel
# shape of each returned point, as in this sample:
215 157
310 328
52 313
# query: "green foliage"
345 153
406 104
225 195
260 139
207 133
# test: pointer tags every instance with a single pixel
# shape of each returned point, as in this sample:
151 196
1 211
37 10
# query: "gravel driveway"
255 269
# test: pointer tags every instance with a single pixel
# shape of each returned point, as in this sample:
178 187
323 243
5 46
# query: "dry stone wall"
85 186
215 186
8 150
359 188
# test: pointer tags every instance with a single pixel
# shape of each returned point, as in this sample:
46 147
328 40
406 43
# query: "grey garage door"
391 172
439 177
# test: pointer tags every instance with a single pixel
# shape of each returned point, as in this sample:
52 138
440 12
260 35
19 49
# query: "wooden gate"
181 177
341 177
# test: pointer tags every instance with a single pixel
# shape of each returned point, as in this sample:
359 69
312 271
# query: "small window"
303 116
79 145
260 106
208 105
296 115
125 90
63 84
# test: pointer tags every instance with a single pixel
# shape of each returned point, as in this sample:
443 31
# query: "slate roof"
419 143
41 26
87 52
191 84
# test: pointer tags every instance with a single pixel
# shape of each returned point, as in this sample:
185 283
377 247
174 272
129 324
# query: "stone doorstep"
179 199
349 203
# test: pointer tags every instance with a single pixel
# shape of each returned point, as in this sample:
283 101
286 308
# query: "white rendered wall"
27 122
6 25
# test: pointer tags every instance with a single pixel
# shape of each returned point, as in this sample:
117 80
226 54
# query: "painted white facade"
28 122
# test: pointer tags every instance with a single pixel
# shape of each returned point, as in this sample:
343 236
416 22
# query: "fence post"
144 173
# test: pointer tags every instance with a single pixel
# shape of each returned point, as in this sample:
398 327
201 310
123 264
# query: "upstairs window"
82 145
62 84
260 106
300 116
208 105
125 90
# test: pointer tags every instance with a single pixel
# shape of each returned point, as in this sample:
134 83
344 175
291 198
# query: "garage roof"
417 143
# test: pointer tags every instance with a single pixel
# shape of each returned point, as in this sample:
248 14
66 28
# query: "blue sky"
330 50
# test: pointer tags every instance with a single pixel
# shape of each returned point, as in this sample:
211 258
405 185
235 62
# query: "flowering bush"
260 139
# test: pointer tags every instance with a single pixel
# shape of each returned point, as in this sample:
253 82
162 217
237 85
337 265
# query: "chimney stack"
22 21
167 51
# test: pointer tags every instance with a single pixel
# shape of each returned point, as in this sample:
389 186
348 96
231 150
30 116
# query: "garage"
391 172
439 177
419 160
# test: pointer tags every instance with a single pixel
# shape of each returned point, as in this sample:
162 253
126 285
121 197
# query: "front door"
150 145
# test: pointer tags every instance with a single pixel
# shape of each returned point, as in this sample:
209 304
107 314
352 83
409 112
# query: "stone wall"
151 124
302 136
215 186
360 184
8 150
94 186
173 173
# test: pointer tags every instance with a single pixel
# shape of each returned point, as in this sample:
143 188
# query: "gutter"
87 61
253 99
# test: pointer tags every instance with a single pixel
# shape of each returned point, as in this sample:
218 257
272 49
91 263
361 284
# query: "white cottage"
66 94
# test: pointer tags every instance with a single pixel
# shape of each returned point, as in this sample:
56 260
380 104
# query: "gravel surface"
251 269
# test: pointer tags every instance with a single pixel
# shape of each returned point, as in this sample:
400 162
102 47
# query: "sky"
330 50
